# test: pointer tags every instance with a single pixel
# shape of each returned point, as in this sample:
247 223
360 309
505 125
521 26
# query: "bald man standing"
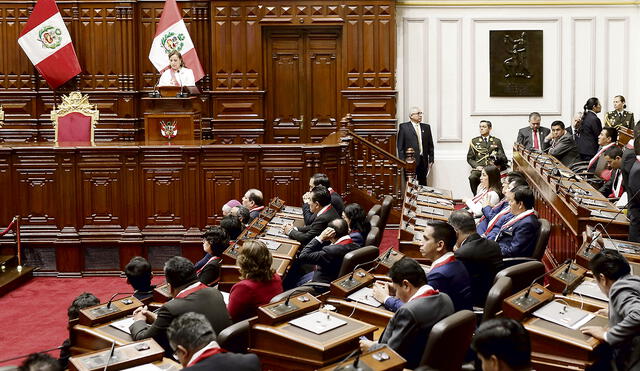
417 135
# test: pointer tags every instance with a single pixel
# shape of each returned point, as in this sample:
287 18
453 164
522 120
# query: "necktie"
536 140
419 135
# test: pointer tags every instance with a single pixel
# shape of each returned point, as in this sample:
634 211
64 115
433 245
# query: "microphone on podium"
525 300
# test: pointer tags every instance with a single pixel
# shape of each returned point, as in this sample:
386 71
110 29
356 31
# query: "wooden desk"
378 317
394 363
287 347
98 337
230 274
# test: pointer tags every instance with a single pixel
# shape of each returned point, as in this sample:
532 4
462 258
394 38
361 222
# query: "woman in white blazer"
177 74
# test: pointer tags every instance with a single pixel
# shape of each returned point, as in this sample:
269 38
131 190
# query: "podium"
184 113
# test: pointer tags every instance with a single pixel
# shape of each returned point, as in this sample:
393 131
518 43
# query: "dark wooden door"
302 97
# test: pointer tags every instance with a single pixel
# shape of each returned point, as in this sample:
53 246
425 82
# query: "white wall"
443 67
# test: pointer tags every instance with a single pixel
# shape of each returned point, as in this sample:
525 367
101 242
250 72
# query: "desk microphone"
155 93
604 229
525 297
286 302
406 223
355 366
111 352
126 293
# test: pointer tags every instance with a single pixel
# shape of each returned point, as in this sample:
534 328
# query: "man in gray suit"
408 330
189 295
532 136
613 275
561 144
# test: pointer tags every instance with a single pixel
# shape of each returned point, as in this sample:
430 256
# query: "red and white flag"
46 41
172 34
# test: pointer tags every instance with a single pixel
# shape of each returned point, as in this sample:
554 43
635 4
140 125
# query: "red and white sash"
426 291
213 258
499 204
259 208
324 209
451 258
344 240
494 220
191 289
206 352
597 156
517 218
617 185
479 197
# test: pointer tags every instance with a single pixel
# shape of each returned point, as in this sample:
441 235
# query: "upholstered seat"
74 120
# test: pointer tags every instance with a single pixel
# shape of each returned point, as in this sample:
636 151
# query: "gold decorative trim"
457 3
75 102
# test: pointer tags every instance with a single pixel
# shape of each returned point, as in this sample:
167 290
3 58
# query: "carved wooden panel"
163 195
36 195
101 197
221 185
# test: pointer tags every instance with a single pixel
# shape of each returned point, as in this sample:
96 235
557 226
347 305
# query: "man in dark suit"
613 188
320 205
336 199
561 144
532 136
634 198
613 276
326 252
409 328
417 135
518 236
483 151
189 295
480 256
194 344
586 134
597 164
254 201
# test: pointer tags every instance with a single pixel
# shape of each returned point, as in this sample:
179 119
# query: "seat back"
74 120
522 274
375 221
543 239
375 210
500 290
374 237
359 256
449 341
387 203
293 292
235 338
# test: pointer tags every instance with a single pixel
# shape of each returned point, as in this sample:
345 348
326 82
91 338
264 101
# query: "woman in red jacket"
259 282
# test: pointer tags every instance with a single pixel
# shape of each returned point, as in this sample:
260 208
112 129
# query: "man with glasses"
417 135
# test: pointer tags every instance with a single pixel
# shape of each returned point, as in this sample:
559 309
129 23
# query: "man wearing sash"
320 205
409 328
491 215
194 344
613 188
254 201
189 295
518 236
598 165
336 199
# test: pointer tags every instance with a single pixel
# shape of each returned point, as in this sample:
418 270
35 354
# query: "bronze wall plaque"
515 60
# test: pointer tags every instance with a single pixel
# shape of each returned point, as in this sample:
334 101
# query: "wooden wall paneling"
238 118
193 193
148 17
16 72
323 56
222 174
7 195
20 124
68 254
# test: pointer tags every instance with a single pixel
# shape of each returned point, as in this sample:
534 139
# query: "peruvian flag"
46 41
172 34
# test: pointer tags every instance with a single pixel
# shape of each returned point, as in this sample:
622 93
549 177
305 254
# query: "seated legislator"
489 191
517 237
37 362
409 328
233 226
336 200
177 74
326 252
138 272
259 282
532 136
214 242
561 144
320 205
492 215
598 165
82 301
502 344
359 227
189 295
481 257
447 274
483 150
243 214
226 208
613 187
613 276
194 344
254 201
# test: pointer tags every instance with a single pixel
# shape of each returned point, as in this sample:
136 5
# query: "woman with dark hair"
587 132
259 282
233 226
489 190
177 74
214 242
356 219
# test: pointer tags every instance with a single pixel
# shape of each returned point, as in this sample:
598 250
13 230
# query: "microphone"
126 293
111 352
286 302
355 366
406 223
594 237
155 93
604 229
524 300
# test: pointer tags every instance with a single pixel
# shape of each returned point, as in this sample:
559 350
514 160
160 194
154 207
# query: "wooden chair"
374 237
235 338
385 210
375 221
522 274
75 119
449 342
375 210
500 290
538 250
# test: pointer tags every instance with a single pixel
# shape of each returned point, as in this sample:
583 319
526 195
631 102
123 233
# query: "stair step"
10 278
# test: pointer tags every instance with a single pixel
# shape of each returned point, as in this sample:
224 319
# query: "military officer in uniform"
619 117
483 151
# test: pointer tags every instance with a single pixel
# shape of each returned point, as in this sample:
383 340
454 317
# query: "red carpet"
34 316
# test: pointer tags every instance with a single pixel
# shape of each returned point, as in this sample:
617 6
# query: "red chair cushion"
74 127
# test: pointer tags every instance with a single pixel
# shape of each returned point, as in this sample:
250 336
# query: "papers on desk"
590 289
365 296
292 210
603 214
432 211
421 222
318 322
277 232
123 324
271 245
621 247
590 202
564 315
281 221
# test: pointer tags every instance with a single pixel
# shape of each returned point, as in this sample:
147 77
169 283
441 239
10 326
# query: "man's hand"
381 291
548 137
479 168
327 234
306 197
603 312
595 331
366 344
142 314
287 228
